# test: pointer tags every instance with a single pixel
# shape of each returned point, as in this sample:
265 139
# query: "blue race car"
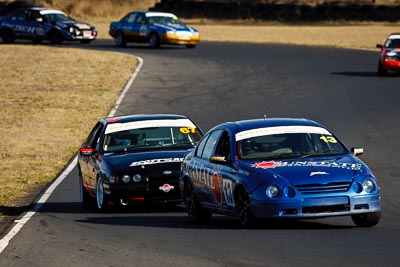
278 168
135 158
41 24
155 28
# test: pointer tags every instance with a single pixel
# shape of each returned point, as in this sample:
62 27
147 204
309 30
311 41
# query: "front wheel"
154 41
194 209
56 37
101 198
381 70
366 219
243 208
190 46
120 39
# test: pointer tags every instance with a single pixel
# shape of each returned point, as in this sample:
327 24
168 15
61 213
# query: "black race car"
135 158
42 24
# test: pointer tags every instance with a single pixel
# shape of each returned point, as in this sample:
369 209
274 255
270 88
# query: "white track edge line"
4 242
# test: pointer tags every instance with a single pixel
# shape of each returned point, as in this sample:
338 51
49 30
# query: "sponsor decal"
117 127
318 173
280 130
327 164
155 161
222 189
166 188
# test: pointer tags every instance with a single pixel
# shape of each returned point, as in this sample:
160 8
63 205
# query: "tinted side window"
224 147
93 137
210 144
129 18
201 145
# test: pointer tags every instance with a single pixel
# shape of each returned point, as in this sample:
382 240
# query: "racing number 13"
328 139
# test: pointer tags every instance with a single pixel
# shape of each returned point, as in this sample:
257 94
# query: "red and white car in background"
389 59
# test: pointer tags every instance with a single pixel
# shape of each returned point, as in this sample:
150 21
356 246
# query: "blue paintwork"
309 186
40 24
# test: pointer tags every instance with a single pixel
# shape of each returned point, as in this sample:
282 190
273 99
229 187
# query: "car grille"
323 188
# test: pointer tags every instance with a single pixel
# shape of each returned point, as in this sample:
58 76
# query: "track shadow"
365 74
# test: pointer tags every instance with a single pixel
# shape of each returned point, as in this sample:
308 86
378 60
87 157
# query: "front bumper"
179 39
391 65
143 192
317 206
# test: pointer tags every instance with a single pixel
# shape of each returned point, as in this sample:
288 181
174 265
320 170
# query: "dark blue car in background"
278 168
41 24
135 158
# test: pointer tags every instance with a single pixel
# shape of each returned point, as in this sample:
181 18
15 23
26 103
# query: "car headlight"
368 185
171 32
272 191
137 178
71 29
126 178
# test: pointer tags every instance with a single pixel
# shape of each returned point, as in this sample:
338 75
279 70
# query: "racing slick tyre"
243 208
8 36
56 37
85 41
101 198
190 46
154 41
366 219
194 209
85 198
381 70
120 39
36 41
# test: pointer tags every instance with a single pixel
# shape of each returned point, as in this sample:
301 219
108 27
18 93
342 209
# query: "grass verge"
51 97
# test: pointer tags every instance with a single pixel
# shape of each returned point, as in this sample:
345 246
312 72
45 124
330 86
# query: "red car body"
389 59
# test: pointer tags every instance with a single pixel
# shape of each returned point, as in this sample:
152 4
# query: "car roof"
36 8
244 125
395 35
140 117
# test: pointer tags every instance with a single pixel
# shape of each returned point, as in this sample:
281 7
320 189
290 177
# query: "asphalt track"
219 82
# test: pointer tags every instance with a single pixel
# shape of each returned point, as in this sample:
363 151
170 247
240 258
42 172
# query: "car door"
127 26
223 173
201 171
35 22
141 28
88 161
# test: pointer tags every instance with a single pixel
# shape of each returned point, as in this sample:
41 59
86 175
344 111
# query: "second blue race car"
42 24
278 168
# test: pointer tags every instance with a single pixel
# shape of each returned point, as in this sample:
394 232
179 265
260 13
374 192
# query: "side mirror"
379 46
357 151
84 151
218 159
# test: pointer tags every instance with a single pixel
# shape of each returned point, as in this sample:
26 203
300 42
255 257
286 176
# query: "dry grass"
51 98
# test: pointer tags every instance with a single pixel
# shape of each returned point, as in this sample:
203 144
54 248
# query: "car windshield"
57 17
151 138
165 20
289 145
392 43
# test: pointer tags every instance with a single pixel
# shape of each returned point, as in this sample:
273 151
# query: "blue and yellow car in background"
42 24
154 28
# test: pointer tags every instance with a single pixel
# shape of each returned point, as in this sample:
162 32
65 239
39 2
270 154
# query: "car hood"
137 162
173 27
71 23
309 170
